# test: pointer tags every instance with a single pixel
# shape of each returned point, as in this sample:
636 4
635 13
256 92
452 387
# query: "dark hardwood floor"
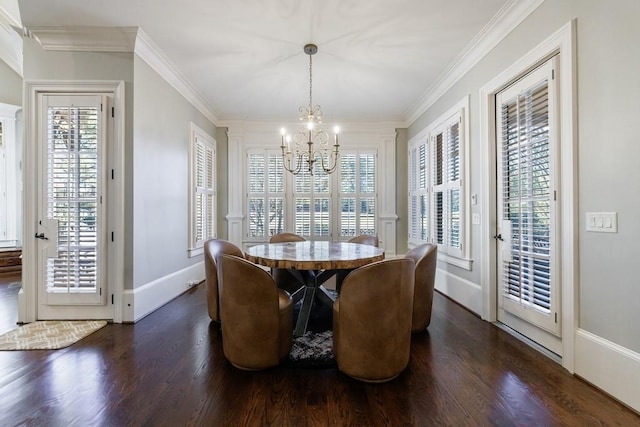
9 287
169 370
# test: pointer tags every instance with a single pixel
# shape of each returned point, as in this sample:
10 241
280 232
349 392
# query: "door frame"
28 297
563 42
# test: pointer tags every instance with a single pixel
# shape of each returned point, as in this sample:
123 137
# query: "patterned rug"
48 334
315 348
312 350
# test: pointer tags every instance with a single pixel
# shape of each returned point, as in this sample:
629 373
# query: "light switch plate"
475 219
602 222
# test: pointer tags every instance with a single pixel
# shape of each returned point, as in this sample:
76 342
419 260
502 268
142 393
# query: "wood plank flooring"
168 370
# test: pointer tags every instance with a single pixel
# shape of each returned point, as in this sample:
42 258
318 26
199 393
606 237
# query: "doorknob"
499 237
41 236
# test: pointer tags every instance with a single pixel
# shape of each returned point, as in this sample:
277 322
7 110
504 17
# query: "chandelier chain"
310 84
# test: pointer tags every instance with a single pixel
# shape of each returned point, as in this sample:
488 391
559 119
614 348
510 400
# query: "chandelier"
311 135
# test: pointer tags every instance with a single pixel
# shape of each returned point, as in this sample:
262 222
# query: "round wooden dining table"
320 260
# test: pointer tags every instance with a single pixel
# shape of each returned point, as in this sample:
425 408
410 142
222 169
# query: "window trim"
197 134
460 258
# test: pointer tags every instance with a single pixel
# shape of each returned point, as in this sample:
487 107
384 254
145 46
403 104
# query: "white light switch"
602 222
475 218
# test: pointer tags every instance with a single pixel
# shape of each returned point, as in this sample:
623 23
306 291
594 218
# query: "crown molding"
10 42
86 39
507 18
150 53
121 39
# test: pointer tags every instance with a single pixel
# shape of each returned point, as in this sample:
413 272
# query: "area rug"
48 334
315 348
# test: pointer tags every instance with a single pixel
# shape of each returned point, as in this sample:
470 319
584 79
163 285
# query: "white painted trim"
147 298
609 366
28 305
150 53
10 42
86 39
508 18
462 291
562 41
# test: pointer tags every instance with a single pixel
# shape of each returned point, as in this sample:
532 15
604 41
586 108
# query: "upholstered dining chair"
257 317
424 257
372 321
212 248
282 276
363 239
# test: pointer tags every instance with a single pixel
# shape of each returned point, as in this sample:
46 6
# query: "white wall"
160 176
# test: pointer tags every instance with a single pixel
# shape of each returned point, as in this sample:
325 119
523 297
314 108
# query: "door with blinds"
528 280
71 209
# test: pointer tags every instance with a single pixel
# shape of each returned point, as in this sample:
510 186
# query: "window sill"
195 252
464 263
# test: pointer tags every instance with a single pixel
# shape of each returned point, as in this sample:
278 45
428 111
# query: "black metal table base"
312 292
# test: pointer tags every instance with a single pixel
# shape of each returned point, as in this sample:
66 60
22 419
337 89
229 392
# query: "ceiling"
376 58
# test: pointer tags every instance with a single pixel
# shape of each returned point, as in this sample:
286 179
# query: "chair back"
286 237
250 311
365 239
425 257
372 320
212 248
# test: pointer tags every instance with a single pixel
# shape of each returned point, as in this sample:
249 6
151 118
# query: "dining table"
312 263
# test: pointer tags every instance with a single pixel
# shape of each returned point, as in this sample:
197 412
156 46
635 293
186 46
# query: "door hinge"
112 174
553 74
556 317
100 107
554 195
100 291
112 299
112 236
113 111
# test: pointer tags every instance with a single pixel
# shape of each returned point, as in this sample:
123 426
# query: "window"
336 206
265 194
436 167
312 203
357 193
202 190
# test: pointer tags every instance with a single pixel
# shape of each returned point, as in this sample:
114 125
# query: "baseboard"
462 291
147 298
608 366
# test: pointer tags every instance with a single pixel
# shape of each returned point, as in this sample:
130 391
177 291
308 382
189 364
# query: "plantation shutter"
357 198
446 186
265 201
527 194
205 191
75 148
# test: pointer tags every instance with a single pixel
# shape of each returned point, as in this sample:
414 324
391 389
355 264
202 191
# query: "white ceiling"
376 58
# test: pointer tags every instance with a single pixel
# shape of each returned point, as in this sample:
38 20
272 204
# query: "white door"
528 280
71 229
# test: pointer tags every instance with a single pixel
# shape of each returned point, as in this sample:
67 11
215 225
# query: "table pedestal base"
312 292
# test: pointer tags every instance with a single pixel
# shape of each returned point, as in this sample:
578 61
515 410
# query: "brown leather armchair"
282 276
364 239
425 257
212 248
257 317
372 321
